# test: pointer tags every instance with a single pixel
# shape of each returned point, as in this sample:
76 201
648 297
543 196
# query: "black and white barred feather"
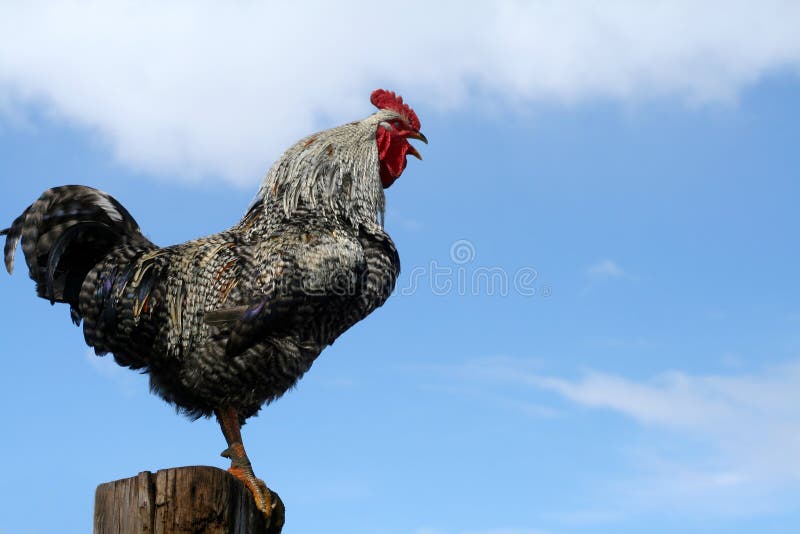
235 318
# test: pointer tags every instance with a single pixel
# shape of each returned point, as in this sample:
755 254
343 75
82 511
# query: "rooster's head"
342 172
398 126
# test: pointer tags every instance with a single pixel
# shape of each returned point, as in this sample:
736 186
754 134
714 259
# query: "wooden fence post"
181 500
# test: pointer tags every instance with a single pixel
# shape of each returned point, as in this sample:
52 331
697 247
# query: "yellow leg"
266 500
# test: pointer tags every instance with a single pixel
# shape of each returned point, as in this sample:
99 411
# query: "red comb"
383 99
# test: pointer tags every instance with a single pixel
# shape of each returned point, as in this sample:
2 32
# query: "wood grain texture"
183 500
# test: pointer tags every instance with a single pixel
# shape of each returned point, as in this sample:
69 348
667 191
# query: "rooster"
226 323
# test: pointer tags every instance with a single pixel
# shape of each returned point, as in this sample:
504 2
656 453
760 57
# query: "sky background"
596 329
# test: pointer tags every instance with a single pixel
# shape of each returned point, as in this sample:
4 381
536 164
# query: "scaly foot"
243 470
267 500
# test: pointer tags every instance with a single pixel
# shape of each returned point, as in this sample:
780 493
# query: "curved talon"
267 501
260 491
278 516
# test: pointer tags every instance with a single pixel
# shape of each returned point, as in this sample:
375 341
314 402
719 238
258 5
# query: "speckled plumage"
236 318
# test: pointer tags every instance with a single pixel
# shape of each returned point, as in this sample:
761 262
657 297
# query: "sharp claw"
267 501
278 513
261 493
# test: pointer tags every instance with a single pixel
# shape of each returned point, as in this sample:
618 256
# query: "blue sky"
631 173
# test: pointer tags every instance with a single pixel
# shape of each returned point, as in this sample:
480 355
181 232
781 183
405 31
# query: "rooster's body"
226 323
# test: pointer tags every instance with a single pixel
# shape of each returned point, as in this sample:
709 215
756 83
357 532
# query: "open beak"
413 151
419 136
415 135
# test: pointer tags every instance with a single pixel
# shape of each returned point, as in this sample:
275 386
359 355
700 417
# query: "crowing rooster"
229 322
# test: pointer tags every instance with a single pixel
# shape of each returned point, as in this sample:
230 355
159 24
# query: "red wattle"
392 151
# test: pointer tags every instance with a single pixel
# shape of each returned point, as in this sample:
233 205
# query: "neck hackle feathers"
342 172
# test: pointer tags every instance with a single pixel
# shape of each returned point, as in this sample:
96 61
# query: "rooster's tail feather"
64 234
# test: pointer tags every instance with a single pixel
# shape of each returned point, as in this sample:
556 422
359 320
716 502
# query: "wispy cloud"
606 269
204 88
729 442
591 516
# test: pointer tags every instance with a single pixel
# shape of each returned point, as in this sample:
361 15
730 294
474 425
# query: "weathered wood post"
182 500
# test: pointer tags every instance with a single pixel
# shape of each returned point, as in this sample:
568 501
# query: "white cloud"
606 269
201 88
724 443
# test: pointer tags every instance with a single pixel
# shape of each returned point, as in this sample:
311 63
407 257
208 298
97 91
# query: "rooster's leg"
266 500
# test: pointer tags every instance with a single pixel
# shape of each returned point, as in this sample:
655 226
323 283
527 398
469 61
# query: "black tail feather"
12 238
60 246
64 234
